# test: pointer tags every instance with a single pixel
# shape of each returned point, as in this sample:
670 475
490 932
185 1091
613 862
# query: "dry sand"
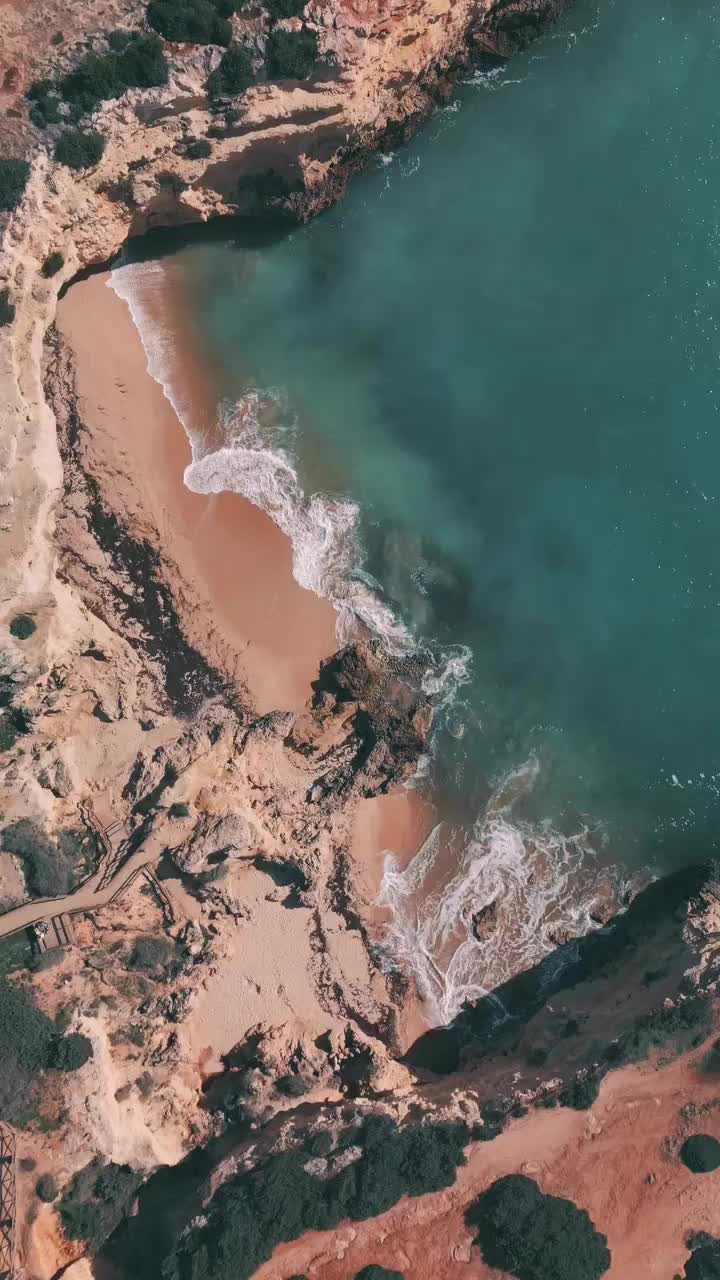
233 562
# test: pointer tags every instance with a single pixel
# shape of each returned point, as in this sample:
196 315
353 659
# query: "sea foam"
543 885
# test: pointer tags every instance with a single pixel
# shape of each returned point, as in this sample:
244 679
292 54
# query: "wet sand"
234 567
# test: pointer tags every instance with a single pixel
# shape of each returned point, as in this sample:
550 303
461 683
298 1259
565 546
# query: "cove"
504 348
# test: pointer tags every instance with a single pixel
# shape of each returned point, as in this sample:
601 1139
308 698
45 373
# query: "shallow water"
500 356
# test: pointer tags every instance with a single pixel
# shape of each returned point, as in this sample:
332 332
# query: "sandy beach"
244 609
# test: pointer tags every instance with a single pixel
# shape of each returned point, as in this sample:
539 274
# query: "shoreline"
220 548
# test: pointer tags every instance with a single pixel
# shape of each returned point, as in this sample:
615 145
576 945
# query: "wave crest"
526 886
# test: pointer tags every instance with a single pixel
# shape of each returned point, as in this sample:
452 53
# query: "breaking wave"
473 909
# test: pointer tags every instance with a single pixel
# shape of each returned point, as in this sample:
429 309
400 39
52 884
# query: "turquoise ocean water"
482 396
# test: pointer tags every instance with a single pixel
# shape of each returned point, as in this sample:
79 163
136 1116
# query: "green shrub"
78 148
374 1272
701 1153
51 865
72 1052
580 1094
171 182
151 954
192 21
179 809
135 61
233 75
96 1200
7 308
285 8
22 626
46 1188
26 1045
259 1209
14 174
533 1236
14 723
52 264
704 1262
291 55
198 149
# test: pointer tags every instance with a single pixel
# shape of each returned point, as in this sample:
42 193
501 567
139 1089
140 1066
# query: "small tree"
701 1153
291 55
46 1188
534 1236
374 1272
22 626
233 75
192 21
14 174
79 148
52 264
7 308
285 8
72 1052
198 149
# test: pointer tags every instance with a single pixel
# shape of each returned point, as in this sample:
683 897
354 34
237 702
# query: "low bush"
29 1045
51 866
533 1236
233 75
46 1188
198 149
281 1200
704 1261
374 1272
285 8
580 1094
79 148
711 1061
152 954
14 174
179 809
22 626
701 1153
96 1200
15 722
135 61
72 1052
190 21
52 264
291 55
7 308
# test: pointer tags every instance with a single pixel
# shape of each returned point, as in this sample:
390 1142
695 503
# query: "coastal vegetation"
192 21
233 75
96 1200
51 865
701 1153
374 1272
46 1188
704 1261
197 149
133 60
22 626
291 55
30 1045
534 1236
78 148
14 174
280 1200
7 308
53 263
